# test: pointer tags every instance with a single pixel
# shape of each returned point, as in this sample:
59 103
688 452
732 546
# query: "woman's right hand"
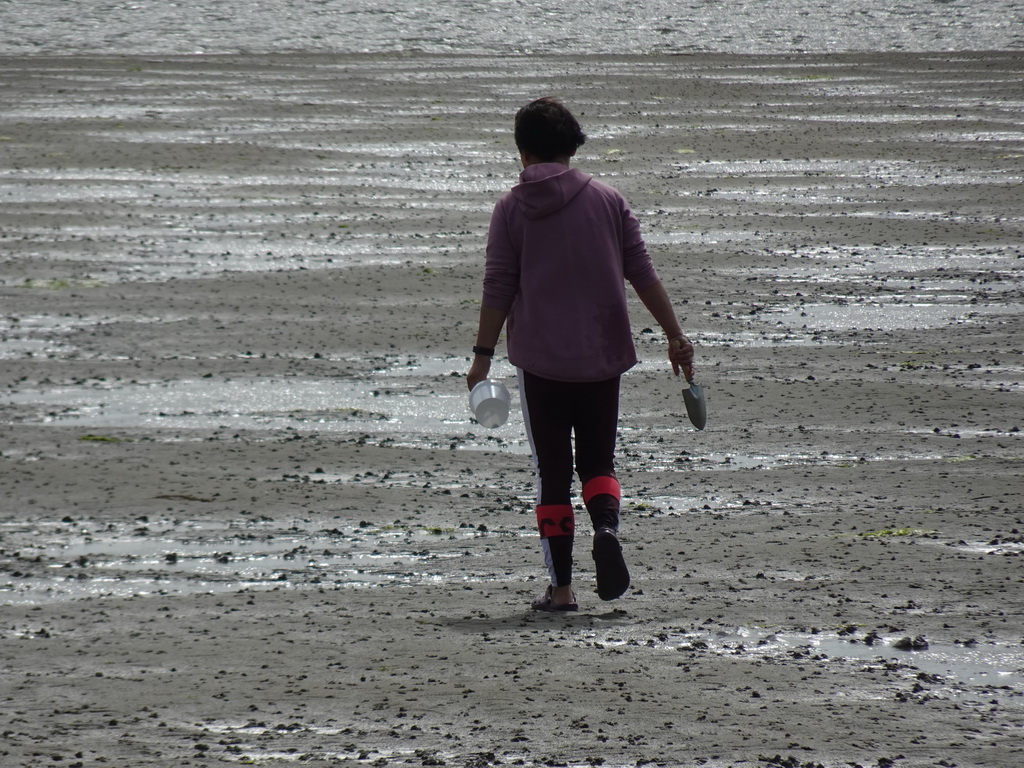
680 354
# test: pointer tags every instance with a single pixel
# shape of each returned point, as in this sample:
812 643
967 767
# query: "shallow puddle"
378 755
405 402
972 664
886 315
69 561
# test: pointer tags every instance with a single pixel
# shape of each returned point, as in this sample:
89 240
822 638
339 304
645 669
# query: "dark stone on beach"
911 644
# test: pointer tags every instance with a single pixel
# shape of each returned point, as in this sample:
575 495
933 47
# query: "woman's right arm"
680 348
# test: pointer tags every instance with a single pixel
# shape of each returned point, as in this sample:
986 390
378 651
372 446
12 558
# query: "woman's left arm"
491 322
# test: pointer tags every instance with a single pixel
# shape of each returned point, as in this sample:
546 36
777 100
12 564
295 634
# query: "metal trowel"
696 408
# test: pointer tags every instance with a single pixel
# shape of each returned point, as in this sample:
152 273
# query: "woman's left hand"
478 371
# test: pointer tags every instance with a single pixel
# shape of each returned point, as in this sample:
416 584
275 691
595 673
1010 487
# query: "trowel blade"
696 408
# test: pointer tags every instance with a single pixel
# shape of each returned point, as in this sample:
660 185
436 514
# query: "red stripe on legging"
595 486
555 520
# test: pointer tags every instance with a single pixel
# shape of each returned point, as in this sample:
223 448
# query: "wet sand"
247 518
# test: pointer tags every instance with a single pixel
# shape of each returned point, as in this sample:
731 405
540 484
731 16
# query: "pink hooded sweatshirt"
560 248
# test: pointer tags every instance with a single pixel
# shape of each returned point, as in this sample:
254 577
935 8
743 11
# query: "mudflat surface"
247 518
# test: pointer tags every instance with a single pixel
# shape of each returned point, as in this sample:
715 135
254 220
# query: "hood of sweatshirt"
547 187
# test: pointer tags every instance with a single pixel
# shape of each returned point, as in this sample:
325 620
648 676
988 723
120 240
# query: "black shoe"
544 603
612 573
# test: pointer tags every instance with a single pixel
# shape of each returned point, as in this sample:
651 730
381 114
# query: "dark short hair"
546 129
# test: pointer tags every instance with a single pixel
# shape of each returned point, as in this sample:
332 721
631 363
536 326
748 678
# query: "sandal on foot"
612 573
543 603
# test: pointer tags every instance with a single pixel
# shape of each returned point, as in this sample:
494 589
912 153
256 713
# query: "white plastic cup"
490 402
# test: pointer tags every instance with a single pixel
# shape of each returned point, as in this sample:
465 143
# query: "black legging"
556 410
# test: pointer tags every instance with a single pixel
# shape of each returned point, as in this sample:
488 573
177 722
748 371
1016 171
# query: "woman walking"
560 249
